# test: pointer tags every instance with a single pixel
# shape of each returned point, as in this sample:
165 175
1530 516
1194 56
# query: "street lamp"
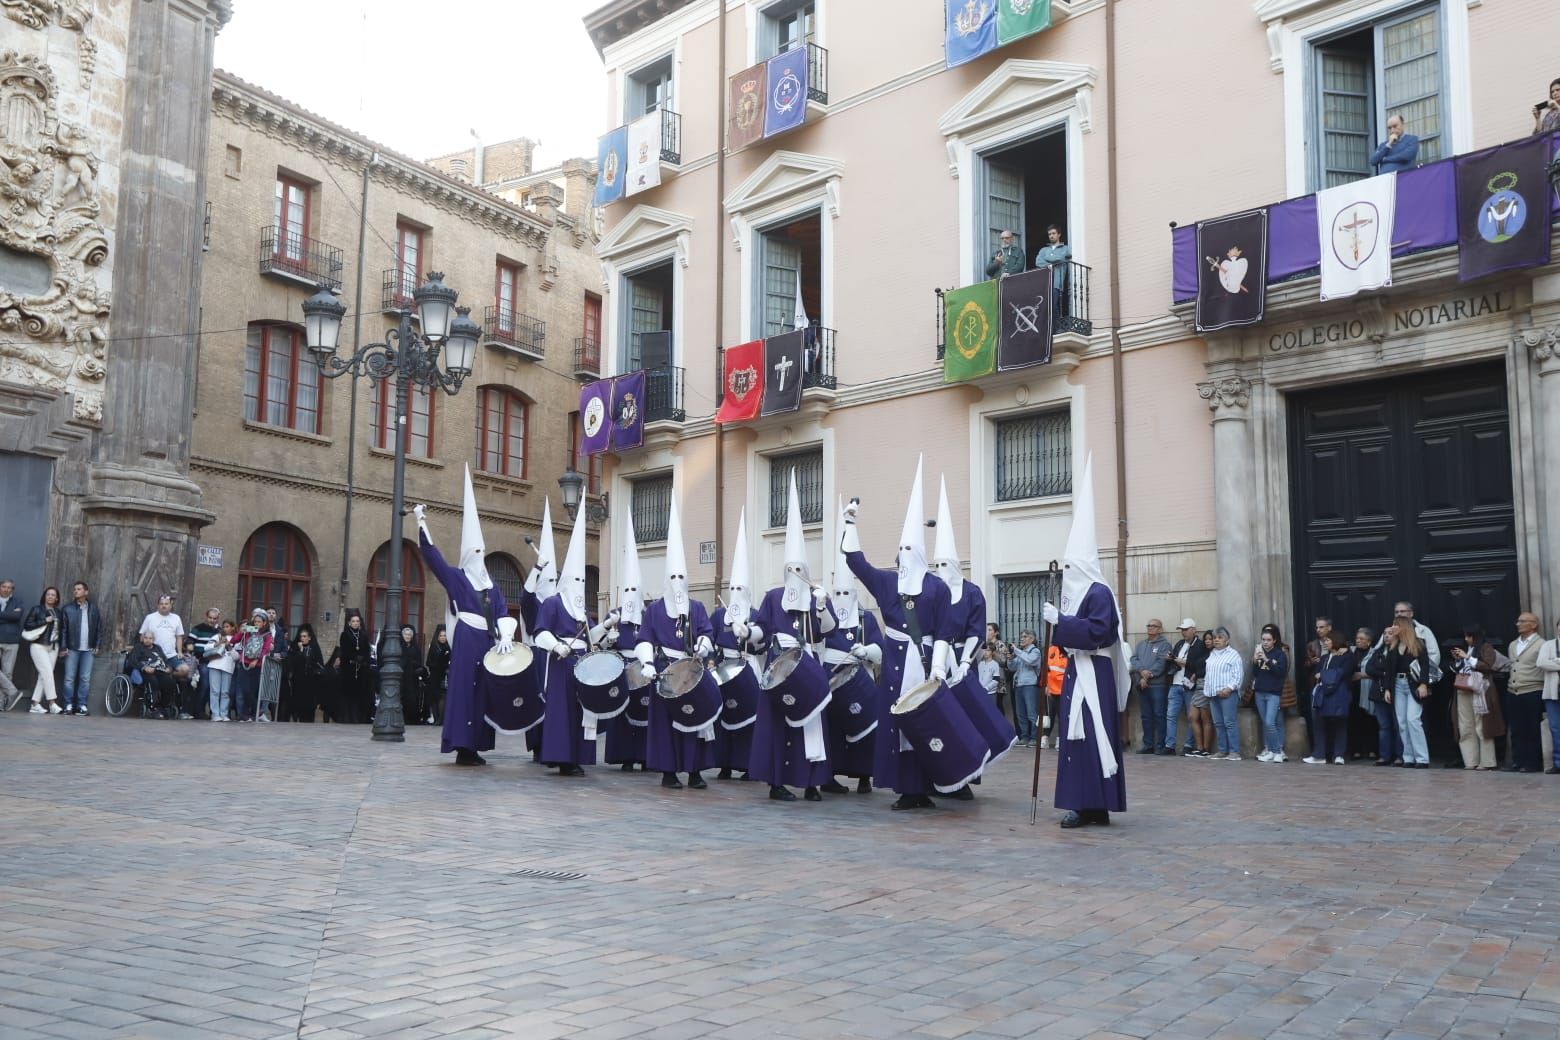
572 484
408 358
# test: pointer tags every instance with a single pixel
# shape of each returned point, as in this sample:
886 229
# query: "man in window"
1056 253
1009 259
1398 152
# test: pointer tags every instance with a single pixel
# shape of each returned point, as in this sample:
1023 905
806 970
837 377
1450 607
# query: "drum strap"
913 626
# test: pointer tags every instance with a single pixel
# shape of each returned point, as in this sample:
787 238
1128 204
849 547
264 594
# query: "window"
592 472
649 89
1366 75
1019 599
791 273
808 467
409 259
786 25
649 304
1034 456
233 162
592 327
505 296
501 430
291 219
651 505
378 588
505 572
1024 189
282 384
419 411
274 570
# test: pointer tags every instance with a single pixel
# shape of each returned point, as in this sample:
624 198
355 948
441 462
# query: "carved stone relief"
36 14
51 335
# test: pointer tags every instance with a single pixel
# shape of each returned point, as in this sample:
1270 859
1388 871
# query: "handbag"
1471 682
1286 698
1248 694
32 635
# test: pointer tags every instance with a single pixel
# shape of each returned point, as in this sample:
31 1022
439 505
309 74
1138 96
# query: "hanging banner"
1503 208
644 153
786 92
1019 18
783 363
971 30
628 411
611 163
1026 301
595 419
1232 277
970 328
1355 223
746 106
742 383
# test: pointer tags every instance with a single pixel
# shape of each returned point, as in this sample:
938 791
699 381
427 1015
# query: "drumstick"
1034 789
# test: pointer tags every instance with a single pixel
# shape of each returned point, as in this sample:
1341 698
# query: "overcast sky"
419 76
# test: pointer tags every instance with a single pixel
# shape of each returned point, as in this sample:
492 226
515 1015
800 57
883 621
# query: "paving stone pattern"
190 880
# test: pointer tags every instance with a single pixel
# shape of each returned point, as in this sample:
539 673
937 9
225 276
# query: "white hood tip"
631 589
739 586
911 559
945 553
797 578
473 549
675 589
571 579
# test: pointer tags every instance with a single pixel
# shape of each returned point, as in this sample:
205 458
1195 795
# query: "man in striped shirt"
1226 672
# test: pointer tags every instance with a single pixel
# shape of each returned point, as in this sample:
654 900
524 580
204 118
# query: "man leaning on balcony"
1009 259
1398 152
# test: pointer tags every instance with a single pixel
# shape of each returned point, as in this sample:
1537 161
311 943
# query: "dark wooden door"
1401 489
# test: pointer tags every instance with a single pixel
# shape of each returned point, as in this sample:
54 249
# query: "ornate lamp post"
407 358
572 484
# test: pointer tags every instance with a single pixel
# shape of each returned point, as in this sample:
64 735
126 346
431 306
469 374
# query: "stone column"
1544 343
1229 399
142 512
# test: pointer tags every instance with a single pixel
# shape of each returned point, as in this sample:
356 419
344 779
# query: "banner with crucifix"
1355 222
783 372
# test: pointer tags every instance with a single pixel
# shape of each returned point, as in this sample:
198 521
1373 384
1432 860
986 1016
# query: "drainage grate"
548 875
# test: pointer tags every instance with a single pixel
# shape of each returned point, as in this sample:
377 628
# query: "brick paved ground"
178 880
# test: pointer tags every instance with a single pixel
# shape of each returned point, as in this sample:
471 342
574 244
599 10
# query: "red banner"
742 383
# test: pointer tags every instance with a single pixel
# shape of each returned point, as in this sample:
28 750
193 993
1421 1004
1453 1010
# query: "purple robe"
855 759
900 771
529 605
969 615
625 740
667 749
563 737
733 747
464 724
1079 783
779 753
968 618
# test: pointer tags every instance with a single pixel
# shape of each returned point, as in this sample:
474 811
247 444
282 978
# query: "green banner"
1019 18
970 328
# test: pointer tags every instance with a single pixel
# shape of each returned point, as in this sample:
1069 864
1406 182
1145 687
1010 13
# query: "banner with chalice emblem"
644 153
1019 18
970 327
746 106
971 30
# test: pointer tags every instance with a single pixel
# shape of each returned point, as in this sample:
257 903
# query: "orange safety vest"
1056 670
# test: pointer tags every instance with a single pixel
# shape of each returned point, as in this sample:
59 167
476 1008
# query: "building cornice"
619 19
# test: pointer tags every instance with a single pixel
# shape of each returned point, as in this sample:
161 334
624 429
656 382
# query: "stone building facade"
296 468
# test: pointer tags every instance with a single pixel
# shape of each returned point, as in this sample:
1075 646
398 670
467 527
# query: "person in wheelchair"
148 669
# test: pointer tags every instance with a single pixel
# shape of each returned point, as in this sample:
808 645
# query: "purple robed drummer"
741 694
626 733
474 601
540 585
897 766
853 708
1090 779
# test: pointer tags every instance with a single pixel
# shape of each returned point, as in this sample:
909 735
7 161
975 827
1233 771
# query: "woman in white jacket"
1549 664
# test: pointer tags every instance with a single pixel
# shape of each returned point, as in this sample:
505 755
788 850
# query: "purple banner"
628 411
595 417
786 104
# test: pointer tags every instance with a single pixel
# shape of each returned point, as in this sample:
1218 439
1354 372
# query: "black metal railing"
1069 304
818 360
512 329
299 258
664 395
397 288
587 358
671 136
817 74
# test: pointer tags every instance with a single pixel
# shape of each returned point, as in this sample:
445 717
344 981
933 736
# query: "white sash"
1086 690
913 676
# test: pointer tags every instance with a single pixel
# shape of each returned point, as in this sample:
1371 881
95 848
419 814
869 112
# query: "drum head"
916 696
780 668
729 670
598 669
843 676
680 677
633 671
512 663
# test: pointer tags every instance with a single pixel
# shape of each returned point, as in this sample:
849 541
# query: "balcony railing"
520 332
817 74
817 364
398 286
587 358
664 395
299 258
671 137
1069 305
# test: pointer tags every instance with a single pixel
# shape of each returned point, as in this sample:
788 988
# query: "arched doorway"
505 572
276 570
378 586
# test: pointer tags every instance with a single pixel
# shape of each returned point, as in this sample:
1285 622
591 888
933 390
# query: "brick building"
298 468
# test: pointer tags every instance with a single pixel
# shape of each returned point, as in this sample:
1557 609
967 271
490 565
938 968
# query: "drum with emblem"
800 683
513 699
739 693
947 744
982 709
640 690
852 701
598 683
691 694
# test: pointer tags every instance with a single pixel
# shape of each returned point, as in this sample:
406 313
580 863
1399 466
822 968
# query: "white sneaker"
54 707
1338 762
37 709
261 718
1278 757
1308 760
1219 756
1265 756
1232 757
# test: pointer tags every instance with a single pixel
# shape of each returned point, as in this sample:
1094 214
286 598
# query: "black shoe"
574 770
1421 765
1509 769
812 795
1552 771
834 787
1072 819
963 794
1145 751
627 767
1382 762
864 786
696 782
1170 752
465 757
1100 817
724 774
780 794
913 801
83 712
670 782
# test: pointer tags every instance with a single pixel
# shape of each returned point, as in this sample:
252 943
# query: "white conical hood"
912 541
842 592
571 580
472 547
546 556
676 588
739 587
1081 569
798 583
945 554
631 590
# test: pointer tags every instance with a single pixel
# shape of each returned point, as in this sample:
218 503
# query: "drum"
739 693
852 701
598 683
640 690
946 742
800 684
981 707
510 690
691 695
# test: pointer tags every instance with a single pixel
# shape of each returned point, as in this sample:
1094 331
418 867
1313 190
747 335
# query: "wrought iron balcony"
818 360
671 137
664 395
398 286
1069 305
299 259
817 74
587 358
522 333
